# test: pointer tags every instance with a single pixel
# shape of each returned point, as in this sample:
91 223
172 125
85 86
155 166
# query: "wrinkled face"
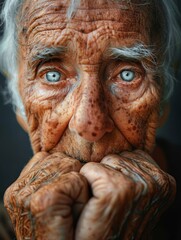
82 97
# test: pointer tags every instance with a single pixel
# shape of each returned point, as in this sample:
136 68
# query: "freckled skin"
90 115
85 94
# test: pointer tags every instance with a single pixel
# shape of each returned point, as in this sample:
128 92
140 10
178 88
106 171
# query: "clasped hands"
56 197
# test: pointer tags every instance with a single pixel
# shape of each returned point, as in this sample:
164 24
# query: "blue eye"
53 76
127 75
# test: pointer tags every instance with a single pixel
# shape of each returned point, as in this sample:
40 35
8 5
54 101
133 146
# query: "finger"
151 200
165 184
135 216
140 155
106 211
51 167
54 206
17 196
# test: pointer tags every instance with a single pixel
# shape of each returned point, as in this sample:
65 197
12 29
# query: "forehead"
93 23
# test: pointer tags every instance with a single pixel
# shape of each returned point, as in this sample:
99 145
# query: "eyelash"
138 71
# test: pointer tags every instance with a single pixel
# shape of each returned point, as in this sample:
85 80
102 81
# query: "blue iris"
127 75
53 76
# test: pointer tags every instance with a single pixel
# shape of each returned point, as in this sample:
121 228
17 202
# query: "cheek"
48 113
42 100
134 119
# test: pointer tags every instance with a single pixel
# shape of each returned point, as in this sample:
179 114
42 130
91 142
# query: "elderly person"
89 80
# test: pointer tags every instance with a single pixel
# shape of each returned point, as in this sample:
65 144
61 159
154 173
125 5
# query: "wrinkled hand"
130 192
47 198
51 200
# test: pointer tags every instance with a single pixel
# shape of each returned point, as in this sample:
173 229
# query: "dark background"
15 148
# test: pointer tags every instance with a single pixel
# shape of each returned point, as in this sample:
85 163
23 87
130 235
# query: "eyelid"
45 68
115 79
37 64
136 67
50 66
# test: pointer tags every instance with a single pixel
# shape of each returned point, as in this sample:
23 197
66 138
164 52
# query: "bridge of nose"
90 118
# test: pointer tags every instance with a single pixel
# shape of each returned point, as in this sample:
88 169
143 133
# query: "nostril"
109 125
80 134
94 134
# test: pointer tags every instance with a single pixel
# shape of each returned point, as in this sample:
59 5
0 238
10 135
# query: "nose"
90 119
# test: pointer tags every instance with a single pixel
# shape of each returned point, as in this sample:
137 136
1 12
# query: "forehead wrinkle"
55 13
85 35
98 27
90 13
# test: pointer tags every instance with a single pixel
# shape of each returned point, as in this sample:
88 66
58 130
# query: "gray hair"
167 15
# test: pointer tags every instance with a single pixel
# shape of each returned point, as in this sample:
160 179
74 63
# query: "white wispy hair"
9 44
137 52
72 8
8 52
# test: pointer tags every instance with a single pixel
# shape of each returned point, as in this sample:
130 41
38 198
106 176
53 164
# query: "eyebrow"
137 52
46 53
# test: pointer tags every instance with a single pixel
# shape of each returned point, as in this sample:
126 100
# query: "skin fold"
92 133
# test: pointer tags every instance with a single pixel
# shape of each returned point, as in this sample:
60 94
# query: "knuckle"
7 198
156 186
142 187
17 197
10 197
42 199
165 183
75 178
56 193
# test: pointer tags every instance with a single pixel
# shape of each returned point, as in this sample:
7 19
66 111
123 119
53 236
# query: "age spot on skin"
94 134
134 128
89 122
